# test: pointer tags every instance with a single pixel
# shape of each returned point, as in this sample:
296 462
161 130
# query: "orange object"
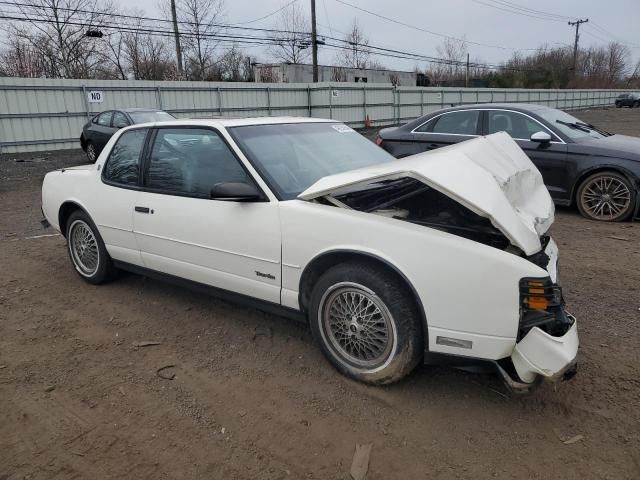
367 122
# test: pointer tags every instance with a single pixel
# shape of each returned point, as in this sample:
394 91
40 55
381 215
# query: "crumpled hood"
489 175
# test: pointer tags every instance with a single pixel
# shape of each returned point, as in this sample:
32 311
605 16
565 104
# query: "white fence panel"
43 114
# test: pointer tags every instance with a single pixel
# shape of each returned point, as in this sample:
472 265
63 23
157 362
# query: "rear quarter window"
123 164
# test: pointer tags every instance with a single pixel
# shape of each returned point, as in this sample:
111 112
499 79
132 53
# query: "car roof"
237 122
518 107
134 110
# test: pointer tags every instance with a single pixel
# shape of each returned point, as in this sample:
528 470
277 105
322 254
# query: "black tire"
403 348
636 104
618 105
103 270
92 152
589 190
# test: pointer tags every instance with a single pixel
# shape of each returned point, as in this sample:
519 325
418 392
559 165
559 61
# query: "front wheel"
86 249
367 323
606 196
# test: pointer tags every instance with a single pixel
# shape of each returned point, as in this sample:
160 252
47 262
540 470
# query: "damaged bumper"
542 357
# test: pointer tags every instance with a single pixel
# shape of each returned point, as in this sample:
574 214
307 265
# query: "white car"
439 256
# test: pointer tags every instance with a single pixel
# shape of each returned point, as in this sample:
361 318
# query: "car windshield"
293 156
147 117
570 126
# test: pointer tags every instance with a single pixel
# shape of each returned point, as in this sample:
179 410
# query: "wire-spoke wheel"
83 247
606 196
92 154
86 249
357 324
367 322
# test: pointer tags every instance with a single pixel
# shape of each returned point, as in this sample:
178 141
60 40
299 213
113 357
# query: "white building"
303 73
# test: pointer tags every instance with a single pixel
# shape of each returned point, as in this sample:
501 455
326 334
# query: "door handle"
431 146
142 209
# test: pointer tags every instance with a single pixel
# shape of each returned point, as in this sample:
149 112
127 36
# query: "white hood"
489 175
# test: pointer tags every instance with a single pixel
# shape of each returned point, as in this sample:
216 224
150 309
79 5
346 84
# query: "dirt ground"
252 396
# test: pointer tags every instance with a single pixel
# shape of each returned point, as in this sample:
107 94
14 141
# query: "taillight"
379 140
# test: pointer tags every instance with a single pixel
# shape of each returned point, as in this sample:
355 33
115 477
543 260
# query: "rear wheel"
92 152
606 196
367 323
636 104
86 249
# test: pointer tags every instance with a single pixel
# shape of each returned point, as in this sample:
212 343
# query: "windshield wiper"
592 127
584 127
576 125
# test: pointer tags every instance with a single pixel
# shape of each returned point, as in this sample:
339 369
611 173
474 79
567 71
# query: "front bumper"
542 357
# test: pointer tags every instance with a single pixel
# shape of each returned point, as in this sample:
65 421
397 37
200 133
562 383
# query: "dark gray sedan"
97 131
581 164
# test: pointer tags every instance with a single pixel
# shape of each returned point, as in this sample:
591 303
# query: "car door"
113 204
549 157
447 129
119 120
102 130
181 231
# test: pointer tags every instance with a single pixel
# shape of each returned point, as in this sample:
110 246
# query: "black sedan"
581 164
631 100
97 131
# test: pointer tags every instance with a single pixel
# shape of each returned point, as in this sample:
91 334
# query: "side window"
104 119
191 161
464 122
120 120
514 123
123 164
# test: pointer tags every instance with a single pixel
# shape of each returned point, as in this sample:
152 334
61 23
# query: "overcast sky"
474 19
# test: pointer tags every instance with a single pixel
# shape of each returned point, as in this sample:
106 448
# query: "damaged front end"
485 190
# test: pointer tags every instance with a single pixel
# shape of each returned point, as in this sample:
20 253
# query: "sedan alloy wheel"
92 155
606 196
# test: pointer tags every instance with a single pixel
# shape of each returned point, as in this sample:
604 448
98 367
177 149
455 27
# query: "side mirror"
235 192
541 137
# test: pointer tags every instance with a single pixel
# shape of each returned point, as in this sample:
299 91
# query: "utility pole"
176 34
314 41
575 45
466 77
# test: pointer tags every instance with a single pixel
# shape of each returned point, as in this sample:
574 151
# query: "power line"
42 17
381 51
531 11
36 8
517 12
430 32
267 15
614 37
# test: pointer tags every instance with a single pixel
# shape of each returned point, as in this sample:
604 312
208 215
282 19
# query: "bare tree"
454 53
357 53
291 44
20 59
200 23
148 57
230 65
618 56
633 81
61 38
115 56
